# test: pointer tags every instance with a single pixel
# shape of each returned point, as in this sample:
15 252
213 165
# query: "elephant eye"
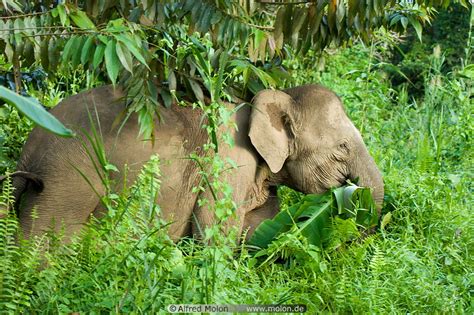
344 146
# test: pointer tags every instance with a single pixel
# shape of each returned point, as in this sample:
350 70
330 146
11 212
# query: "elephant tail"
22 180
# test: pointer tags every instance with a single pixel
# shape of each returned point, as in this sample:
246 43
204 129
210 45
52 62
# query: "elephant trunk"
363 166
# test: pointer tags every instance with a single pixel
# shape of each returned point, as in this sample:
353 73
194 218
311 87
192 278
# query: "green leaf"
87 50
132 47
269 229
468 71
197 90
19 26
358 202
310 217
35 112
315 227
145 119
172 84
76 50
81 19
63 15
9 5
112 62
386 220
98 56
417 26
71 48
404 21
125 56
223 30
166 97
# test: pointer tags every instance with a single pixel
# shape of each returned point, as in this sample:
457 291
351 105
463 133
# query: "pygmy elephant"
299 137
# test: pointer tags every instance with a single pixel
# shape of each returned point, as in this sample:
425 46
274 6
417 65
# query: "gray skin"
300 137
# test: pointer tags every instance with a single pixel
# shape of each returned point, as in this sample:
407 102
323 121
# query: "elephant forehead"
323 136
328 116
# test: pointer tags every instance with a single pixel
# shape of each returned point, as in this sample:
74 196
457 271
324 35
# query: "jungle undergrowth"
421 261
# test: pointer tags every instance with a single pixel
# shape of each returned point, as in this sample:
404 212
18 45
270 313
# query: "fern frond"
424 157
377 261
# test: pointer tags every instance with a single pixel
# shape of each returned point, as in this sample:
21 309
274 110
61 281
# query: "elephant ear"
268 131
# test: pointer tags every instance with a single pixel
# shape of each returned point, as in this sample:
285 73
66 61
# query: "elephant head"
309 143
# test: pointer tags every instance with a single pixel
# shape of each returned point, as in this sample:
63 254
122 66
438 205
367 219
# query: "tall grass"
419 262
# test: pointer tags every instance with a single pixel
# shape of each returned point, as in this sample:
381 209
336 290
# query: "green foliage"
215 193
449 31
310 218
16 280
35 112
418 262
13 133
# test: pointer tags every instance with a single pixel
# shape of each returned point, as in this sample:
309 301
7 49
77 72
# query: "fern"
6 198
18 264
424 157
376 267
377 261
340 296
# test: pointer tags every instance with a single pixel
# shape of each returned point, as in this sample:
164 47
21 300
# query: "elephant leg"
266 211
66 201
243 195
204 217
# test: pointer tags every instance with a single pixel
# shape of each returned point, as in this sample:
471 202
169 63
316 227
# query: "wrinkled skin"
300 137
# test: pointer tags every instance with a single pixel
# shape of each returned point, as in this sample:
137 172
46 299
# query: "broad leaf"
63 15
112 62
310 217
132 47
81 19
87 50
33 110
125 56
98 55
417 26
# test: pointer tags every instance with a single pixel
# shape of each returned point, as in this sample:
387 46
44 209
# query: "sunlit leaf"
132 47
63 15
418 29
81 19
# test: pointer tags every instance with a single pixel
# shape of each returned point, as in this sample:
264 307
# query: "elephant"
300 137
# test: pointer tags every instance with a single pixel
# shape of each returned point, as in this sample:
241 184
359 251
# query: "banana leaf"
312 215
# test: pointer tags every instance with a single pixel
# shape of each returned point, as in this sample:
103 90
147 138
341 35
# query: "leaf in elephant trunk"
310 218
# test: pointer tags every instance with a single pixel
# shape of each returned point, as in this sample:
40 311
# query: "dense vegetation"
420 260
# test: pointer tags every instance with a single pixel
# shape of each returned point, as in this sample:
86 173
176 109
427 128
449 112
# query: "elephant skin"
300 137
